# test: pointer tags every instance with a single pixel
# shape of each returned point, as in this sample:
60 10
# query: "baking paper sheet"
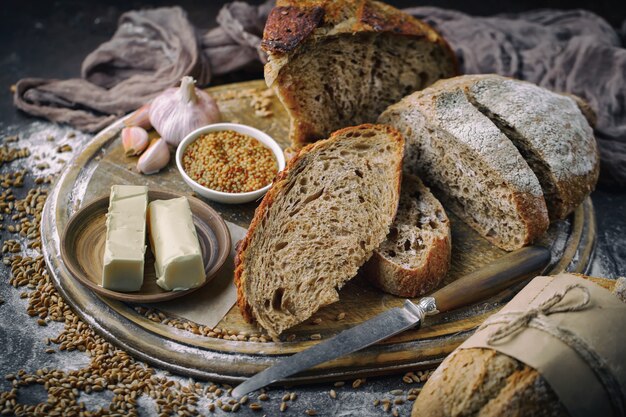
210 304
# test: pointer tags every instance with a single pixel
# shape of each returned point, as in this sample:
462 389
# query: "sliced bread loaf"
549 130
415 257
340 63
317 225
478 172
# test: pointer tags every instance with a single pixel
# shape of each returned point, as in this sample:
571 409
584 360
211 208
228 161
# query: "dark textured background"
49 39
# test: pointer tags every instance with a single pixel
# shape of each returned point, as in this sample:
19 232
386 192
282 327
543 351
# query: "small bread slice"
415 257
479 174
550 131
318 224
341 63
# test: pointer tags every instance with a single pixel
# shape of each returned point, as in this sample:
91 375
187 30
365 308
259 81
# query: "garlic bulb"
177 112
140 117
134 140
154 158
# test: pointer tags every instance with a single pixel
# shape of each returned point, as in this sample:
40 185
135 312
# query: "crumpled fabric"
566 51
571 51
150 51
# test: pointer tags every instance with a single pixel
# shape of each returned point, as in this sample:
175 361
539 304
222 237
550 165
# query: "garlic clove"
134 140
140 117
176 112
154 158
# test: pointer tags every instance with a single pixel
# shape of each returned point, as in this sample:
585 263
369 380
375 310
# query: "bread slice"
341 63
320 221
549 130
415 257
478 172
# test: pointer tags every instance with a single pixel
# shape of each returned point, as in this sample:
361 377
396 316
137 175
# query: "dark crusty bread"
317 225
549 130
485 383
338 63
415 257
472 166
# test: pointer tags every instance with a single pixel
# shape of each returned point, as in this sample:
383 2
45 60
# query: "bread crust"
270 197
292 22
571 189
486 383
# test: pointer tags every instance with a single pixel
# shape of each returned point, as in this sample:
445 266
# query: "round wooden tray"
102 163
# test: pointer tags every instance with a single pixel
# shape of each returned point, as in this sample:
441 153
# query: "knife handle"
512 268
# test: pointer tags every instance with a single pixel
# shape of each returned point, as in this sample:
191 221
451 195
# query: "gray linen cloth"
567 51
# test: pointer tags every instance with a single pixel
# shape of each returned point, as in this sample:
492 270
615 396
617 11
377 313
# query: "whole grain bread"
482 382
550 131
321 220
338 63
471 165
415 257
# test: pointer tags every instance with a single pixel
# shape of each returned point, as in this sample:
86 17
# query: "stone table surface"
50 40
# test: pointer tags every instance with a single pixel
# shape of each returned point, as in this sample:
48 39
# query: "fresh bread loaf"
318 224
476 170
415 257
340 63
483 382
549 130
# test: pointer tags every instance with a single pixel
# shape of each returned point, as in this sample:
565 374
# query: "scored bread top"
320 221
551 132
474 168
451 110
293 21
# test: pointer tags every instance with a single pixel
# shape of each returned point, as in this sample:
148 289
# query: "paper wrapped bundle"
557 349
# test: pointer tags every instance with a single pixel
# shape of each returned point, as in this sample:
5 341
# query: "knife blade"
508 270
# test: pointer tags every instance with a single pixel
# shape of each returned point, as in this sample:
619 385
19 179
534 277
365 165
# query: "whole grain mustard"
230 162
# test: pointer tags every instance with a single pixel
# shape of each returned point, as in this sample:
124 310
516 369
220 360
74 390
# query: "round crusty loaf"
317 225
415 257
340 63
472 167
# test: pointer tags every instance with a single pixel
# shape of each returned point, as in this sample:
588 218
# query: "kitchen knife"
505 272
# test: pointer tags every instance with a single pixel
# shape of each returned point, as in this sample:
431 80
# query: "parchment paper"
211 303
601 324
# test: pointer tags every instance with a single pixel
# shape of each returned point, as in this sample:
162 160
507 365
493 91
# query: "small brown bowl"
83 240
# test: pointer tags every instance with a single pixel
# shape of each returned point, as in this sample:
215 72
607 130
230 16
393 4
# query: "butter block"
178 259
125 245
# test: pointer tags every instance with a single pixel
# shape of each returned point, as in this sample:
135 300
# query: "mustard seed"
230 162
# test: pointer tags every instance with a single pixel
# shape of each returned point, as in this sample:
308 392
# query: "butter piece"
178 259
125 245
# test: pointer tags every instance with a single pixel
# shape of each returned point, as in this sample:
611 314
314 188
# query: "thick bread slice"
340 63
320 221
415 257
479 173
551 133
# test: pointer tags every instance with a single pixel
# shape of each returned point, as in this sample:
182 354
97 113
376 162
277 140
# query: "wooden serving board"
102 163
